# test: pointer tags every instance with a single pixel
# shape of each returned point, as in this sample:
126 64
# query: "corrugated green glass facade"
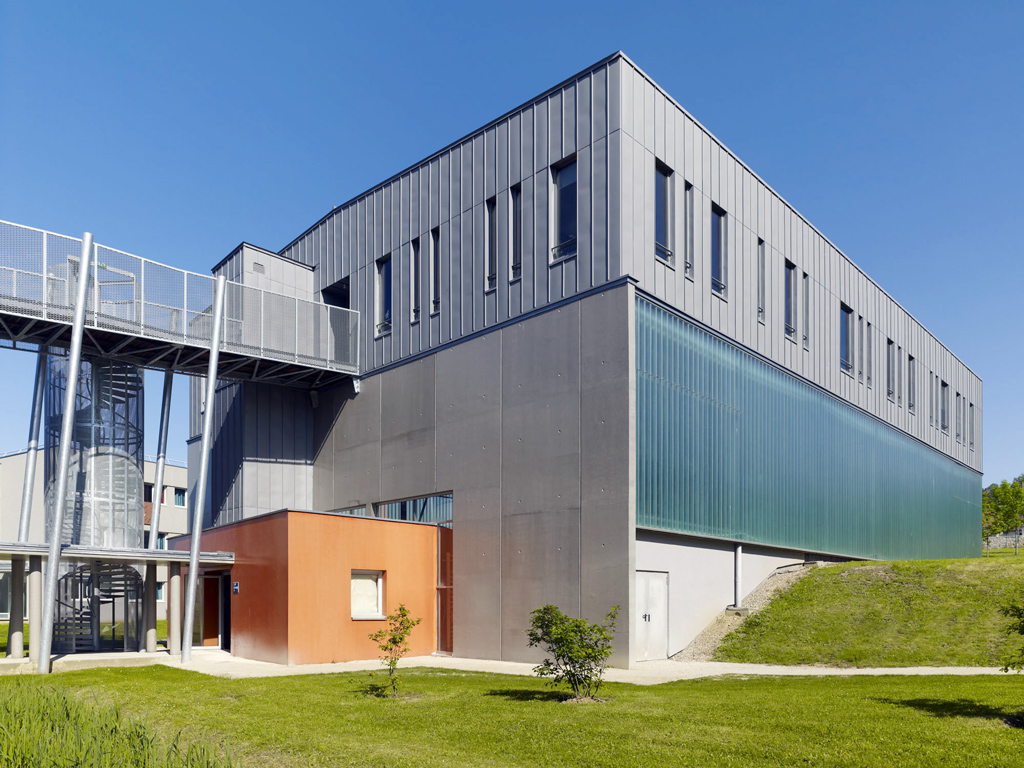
730 446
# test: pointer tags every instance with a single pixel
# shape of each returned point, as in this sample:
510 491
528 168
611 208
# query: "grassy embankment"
914 613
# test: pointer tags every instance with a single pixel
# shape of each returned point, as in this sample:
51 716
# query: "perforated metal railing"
131 295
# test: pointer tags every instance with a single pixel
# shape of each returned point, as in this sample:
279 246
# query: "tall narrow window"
845 338
807 316
491 225
899 376
719 250
760 281
860 348
931 399
516 229
970 426
688 245
944 406
384 295
663 212
869 360
435 270
890 370
911 384
959 420
564 178
790 297
415 285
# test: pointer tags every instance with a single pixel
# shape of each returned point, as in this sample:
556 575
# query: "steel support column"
16 630
737 599
64 462
199 499
150 609
174 609
35 604
161 458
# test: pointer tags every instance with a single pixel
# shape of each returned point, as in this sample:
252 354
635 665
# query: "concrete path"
219 663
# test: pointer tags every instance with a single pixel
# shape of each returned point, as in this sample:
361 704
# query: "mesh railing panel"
39 278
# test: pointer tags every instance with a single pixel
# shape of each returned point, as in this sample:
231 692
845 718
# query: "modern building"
614 362
173 517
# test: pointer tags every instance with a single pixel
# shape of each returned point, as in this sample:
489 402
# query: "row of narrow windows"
563 221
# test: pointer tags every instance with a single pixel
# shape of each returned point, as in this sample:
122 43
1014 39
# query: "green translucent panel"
730 446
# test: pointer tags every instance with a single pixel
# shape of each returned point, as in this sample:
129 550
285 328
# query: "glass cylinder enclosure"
105 480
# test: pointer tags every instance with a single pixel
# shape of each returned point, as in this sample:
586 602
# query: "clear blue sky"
176 130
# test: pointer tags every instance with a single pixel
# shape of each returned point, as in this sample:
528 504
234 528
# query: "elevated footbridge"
150 314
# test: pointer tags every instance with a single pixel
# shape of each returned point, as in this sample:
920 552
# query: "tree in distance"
578 651
1002 509
393 642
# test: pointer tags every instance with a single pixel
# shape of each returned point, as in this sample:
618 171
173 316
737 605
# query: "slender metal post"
64 462
161 458
33 448
16 631
199 498
35 604
95 607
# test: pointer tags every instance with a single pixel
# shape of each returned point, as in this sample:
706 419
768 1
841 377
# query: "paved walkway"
222 664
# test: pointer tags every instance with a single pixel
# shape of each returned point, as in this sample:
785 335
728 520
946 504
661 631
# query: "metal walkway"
149 314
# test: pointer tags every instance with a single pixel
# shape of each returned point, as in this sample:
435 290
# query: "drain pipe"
737 600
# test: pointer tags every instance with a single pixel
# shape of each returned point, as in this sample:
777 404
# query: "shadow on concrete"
961 708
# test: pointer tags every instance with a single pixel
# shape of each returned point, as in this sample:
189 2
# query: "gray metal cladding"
731 446
656 129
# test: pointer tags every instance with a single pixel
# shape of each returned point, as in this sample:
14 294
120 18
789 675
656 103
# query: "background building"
640 375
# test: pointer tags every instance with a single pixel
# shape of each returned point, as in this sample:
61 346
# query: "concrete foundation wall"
701 577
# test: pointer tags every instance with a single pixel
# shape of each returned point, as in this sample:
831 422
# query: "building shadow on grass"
961 708
525 694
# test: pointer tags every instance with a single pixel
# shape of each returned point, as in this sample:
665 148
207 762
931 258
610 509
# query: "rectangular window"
368 595
516 230
179 497
931 399
161 541
564 183
663 212
845 338
860 349
790 297
384 295
435 270
959 420
491 225
414 287
890 370
147 493
944 406
760 281
719 250
899 376
688 235
869 363
159 591
807 314
911 384
970 426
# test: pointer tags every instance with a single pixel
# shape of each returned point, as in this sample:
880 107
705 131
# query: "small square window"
179 497
368 594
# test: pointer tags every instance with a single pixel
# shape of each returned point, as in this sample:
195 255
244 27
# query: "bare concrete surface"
222 664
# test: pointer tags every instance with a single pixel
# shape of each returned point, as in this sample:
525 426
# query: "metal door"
651 615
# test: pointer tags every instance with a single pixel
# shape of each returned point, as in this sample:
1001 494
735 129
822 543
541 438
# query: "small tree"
394 642
1006 507
578 650
1015 612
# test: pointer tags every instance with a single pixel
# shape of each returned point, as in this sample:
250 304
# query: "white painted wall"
701 577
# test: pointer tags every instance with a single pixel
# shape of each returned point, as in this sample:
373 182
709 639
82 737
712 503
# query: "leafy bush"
1014 611
578 650
41 724
394 643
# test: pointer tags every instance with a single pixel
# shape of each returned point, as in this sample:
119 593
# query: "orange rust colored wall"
259 612
294 571
324 550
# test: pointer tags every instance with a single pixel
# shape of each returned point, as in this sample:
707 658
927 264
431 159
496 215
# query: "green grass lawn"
915 613
474 719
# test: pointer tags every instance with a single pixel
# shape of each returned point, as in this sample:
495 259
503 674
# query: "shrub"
41 724
393 643
1015 612
578 650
